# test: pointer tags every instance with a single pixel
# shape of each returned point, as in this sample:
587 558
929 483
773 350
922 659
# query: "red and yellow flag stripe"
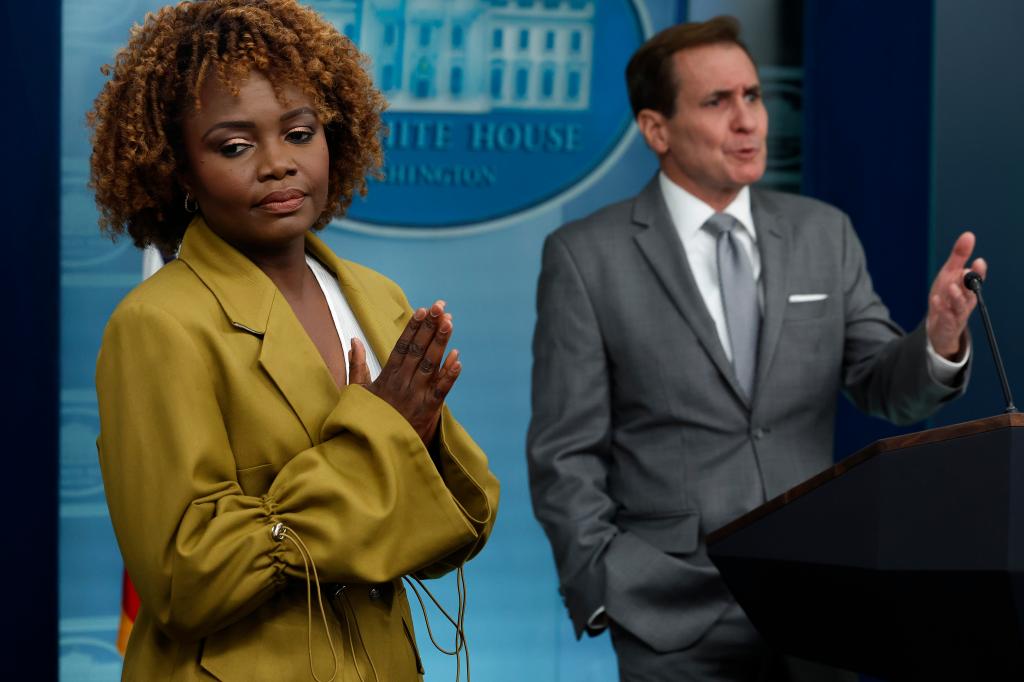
129 610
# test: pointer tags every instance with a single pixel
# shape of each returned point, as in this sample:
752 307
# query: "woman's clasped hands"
414 380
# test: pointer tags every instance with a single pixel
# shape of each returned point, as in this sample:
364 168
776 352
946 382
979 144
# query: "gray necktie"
739 298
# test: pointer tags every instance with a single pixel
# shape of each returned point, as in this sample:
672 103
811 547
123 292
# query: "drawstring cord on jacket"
458 623
346 606
280 532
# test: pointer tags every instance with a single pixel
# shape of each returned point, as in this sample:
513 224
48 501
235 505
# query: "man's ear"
652 126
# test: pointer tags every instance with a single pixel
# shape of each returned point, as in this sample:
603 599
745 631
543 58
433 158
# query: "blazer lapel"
254 305
773 242
380 317
292 360
660 244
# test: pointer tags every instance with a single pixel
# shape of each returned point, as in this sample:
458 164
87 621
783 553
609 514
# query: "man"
690 346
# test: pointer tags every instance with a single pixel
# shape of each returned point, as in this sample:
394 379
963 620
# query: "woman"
248 459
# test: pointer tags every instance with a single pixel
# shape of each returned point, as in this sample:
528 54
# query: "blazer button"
758 433
374 594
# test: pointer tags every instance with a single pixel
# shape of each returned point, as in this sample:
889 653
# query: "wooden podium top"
909 440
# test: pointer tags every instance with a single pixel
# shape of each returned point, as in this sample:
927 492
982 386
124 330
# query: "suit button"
758 433
374 594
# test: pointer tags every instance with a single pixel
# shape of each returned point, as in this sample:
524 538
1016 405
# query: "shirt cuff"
598 621
945 371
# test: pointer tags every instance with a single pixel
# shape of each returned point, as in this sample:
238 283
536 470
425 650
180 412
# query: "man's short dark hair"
650 76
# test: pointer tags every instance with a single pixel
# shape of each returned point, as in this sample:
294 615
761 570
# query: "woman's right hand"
413 380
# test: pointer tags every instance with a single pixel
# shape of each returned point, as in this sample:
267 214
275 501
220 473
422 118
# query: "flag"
129 609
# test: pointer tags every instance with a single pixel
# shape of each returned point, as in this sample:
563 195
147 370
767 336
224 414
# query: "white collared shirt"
689 215
344 319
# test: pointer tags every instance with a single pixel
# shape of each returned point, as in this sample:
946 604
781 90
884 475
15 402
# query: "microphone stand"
972 281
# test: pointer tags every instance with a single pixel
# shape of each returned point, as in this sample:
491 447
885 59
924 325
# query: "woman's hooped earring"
193 206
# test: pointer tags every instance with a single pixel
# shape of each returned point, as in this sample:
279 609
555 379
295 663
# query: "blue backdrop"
892 128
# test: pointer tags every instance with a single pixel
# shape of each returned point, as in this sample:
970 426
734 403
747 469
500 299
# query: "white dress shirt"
344 319
689 215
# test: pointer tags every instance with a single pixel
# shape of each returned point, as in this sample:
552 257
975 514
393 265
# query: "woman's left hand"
414 381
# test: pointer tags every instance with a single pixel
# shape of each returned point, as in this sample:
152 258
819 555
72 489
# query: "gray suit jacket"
641 441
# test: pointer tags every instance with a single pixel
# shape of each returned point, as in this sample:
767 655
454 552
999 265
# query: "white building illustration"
465 56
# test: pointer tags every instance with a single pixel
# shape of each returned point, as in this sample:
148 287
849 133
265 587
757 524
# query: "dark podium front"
904 561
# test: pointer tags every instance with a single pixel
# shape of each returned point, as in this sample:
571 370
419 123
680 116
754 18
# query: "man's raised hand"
950 303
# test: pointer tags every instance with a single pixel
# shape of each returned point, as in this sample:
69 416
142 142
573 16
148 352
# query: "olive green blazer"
218 420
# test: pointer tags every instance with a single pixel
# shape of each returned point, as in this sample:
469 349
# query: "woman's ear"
184 183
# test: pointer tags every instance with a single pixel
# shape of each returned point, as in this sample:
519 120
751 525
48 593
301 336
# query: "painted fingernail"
445 327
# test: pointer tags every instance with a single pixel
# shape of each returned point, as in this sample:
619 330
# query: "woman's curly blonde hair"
138 151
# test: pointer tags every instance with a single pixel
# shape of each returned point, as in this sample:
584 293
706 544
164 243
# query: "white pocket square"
806 298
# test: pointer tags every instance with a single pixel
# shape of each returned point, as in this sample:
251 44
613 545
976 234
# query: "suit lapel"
773 242
380 317
254 305
660 244
293 362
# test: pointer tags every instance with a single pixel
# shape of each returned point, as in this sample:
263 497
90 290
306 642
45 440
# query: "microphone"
972 281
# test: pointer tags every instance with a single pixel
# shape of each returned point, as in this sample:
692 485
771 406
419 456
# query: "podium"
904 561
